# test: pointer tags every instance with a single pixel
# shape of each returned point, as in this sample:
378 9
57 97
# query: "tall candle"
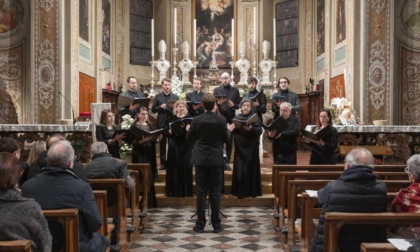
232 49
175 27
195 38
255 26
153 39
274 38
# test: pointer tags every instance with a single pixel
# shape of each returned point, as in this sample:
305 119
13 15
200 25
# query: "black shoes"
218 230
228 168
198 230
162 167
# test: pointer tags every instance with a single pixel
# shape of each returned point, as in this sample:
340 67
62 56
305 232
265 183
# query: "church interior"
62 62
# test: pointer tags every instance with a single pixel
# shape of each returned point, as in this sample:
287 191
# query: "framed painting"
340 29
106 27
320 28
141 15
214 32
84 20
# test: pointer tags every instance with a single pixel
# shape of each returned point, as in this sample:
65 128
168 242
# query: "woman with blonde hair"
36 148
179 168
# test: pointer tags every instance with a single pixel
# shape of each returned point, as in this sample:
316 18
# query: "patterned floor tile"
245 229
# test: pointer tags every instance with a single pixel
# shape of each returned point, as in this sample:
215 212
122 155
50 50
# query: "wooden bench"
69 221
15 246
144 185
116 203
101 201
334 221
310 213
133 209
378 247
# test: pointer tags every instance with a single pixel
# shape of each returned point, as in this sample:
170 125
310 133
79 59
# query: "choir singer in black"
208 132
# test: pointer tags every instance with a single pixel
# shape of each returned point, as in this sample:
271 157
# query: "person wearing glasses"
285 142
227 106
408 199
284 95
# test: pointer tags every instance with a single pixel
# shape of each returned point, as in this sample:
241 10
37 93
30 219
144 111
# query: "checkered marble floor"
245 229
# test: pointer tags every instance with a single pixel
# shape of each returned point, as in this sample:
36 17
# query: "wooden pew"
279 187
296 187
133 210
334 221
15 246
143 186
378 247
69 220
116 203
101 201
309 213
284 177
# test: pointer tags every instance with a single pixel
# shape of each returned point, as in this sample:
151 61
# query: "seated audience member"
357 190
56 187
103 165
408 199
21 218
12 146
36 149
41 161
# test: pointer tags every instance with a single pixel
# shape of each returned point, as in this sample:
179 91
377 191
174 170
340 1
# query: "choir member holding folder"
195 106
179 182
285 139
257 97
107 132
129 107
246 178
284 95
144 150
324 141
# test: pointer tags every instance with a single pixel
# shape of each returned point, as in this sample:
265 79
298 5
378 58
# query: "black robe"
325 154
103 134
179 175
246 178
146 153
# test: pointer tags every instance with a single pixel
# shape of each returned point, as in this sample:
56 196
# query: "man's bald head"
359 156
61 154
225 78
54 138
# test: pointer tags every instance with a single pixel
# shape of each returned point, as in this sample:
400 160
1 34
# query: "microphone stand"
72 111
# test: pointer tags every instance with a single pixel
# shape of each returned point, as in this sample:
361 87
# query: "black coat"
325 154
163 114
233 95
195 98
208 132
357 190
291 97
287 142
58 188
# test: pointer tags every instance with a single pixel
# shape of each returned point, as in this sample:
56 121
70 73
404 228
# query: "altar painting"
214 32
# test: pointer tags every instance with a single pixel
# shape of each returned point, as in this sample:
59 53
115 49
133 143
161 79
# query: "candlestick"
174 53
175 26
254 63
232 50
195 68
275 72
153 40
152 75
274 38
195 38
232 65
255 26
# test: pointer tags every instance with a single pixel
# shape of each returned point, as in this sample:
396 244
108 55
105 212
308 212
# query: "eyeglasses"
283 82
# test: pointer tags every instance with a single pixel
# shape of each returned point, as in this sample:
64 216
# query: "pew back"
69 221
144 185
15 246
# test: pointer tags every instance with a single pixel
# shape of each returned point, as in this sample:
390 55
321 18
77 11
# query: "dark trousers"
162 150
208 179
229 149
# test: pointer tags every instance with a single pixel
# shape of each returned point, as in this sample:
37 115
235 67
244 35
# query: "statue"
185 64
266 64
162 64
243 64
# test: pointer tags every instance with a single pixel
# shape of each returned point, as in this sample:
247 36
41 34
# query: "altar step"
227 200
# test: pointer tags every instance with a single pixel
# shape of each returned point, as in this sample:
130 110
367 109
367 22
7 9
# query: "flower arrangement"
125 149
342 113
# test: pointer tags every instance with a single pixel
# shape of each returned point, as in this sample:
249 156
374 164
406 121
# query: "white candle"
195 38
175 27
153 39
232 49
255 26
274 38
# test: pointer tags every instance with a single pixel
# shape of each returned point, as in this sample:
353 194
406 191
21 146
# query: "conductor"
208 132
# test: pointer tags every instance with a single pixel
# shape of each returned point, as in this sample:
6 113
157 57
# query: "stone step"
227 200
266 187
